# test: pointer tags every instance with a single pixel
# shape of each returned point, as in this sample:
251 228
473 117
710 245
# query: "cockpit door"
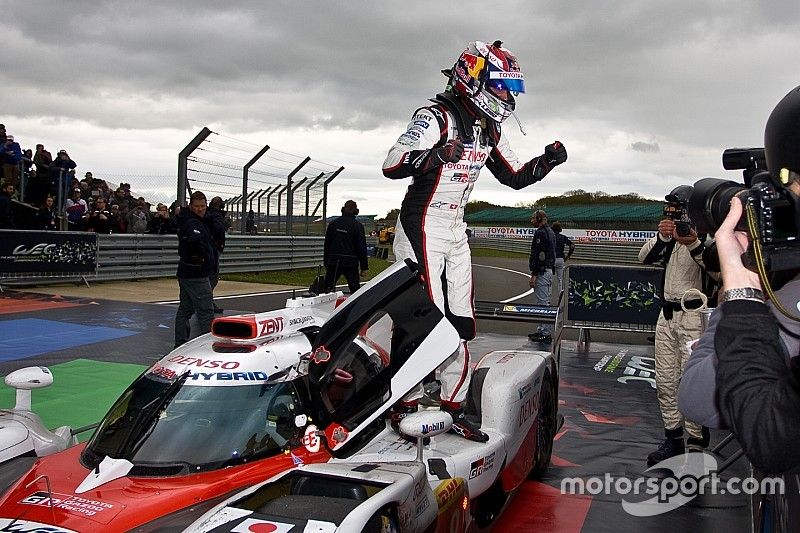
373 350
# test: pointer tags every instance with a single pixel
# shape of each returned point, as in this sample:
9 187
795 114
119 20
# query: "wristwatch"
743 293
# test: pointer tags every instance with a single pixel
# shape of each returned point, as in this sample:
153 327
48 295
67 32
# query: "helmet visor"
511 81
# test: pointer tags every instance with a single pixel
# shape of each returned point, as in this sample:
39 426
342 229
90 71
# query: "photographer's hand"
730 246
666 229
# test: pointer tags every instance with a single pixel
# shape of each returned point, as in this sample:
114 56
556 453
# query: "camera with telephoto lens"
677 209
775 215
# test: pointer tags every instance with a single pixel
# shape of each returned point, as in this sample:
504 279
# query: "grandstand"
629 216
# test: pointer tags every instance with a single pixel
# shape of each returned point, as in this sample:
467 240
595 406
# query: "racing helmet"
782 138
482 72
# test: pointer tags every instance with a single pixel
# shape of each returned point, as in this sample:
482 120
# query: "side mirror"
426 424
25 379
32 377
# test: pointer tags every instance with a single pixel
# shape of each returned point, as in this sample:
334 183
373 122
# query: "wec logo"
38 249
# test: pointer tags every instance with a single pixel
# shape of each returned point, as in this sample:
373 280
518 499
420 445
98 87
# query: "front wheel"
545 429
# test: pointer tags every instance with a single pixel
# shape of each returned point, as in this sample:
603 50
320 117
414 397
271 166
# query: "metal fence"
613 253
265 190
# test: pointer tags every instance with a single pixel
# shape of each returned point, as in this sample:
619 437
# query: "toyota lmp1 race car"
290 407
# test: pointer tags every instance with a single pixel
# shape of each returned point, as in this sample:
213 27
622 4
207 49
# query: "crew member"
195 264
345 249
542 266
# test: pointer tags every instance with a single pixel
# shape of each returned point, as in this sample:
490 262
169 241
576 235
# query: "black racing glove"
555 154
451 152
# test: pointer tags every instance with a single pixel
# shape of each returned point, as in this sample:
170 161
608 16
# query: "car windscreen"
160 422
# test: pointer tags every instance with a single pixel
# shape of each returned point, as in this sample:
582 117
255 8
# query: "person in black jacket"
562 256
215 218
195 263
759 396
47 216
542 266
345 249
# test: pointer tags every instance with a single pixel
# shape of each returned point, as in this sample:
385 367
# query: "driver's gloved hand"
555 154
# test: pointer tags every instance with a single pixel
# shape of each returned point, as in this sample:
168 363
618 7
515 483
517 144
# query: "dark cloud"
694 77
644 147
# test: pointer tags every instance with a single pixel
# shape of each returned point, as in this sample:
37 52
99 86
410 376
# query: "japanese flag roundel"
252 525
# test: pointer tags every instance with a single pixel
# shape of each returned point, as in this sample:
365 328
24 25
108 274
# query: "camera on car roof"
774 221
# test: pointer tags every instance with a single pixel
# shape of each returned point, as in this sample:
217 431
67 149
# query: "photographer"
161 223
678 249
759 396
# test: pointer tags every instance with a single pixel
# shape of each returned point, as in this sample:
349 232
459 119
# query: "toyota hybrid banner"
47 252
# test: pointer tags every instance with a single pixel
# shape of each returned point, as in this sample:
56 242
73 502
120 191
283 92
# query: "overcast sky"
645 95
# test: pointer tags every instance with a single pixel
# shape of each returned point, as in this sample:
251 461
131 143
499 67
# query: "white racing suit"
675 327
431 230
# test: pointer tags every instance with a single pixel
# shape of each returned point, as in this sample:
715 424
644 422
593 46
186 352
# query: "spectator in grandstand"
345 249
195 265
161 223
117 197
77 210
215 218
122 225
47 217
27 162
64 167
542 263
43 184
12 155
101 219
562 242
7 207
682 258
137 219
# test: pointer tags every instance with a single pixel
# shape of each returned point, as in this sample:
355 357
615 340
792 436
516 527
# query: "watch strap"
743 293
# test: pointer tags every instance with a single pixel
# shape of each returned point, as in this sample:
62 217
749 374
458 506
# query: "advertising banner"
577 235
614 294
47 252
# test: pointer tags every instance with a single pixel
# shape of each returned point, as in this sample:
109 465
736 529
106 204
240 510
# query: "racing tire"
546 424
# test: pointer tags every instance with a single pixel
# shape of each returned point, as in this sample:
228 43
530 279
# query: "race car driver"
444 149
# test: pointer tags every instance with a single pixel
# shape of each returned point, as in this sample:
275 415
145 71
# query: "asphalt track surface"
611 419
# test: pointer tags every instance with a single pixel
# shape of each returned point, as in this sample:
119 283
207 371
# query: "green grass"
301 277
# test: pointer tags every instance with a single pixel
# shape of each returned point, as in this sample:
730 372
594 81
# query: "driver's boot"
398 412
461 425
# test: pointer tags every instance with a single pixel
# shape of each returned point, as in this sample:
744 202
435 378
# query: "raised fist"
451 152
555 154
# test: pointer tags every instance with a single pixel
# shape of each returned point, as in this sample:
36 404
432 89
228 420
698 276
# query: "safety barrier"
614 253
139 256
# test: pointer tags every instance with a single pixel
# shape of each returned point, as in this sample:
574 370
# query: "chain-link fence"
266 190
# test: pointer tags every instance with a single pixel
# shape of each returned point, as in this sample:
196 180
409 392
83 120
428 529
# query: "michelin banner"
577 235
47 252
